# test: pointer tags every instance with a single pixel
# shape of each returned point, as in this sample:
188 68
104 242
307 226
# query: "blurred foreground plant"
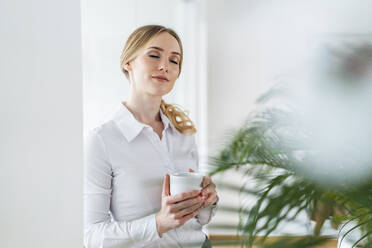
273 149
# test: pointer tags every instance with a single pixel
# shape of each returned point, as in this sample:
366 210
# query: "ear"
128 66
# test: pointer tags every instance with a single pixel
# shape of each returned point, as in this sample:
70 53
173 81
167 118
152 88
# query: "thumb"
191 170
166 191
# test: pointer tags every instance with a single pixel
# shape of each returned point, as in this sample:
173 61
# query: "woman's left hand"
208 192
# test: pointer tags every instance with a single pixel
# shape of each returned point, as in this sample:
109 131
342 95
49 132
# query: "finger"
166 190
188 210
206 181
186 203
211 188
189 216
183 196
210 200
191 170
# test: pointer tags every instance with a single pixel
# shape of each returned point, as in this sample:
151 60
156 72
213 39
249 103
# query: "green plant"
267 146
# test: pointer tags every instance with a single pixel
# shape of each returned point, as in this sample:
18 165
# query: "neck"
145 108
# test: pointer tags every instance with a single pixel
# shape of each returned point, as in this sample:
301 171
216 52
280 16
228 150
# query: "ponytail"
178 118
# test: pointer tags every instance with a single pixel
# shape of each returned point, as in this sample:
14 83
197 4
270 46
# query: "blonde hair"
136 41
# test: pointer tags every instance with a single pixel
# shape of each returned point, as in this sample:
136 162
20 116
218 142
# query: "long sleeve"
99 230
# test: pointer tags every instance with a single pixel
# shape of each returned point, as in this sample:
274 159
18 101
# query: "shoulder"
103 133
102 129
109 124
97 140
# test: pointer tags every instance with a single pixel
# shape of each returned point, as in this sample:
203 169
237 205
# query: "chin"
159 91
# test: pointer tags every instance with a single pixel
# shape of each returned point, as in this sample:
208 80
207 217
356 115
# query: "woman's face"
156 68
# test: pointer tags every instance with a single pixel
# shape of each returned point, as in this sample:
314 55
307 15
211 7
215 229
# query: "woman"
128 159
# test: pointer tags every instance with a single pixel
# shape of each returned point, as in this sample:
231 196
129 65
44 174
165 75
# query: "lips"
161 78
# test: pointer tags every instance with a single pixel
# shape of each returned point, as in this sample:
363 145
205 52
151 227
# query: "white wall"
249 44
41 124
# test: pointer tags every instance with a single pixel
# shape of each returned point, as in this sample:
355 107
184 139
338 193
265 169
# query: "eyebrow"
161 49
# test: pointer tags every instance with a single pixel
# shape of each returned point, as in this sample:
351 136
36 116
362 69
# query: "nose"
163 66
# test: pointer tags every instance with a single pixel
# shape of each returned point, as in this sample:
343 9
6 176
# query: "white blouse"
125 163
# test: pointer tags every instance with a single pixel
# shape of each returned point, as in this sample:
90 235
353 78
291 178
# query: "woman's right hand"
176 209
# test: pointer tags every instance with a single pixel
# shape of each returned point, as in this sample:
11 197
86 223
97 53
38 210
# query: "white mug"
184 182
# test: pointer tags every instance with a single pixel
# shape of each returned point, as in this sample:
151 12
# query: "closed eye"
156 56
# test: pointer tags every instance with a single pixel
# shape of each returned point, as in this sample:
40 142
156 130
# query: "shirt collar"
130 126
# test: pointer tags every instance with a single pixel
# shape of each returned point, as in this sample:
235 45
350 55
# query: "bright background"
60 76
